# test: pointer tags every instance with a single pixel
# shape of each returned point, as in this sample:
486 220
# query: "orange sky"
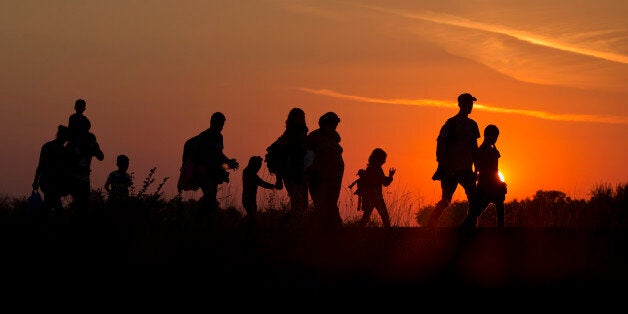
552 78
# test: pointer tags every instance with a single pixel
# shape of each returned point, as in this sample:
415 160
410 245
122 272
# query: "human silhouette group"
309 164
64 166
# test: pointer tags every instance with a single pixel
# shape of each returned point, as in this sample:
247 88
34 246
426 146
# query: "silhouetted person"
82 151
212 164
250 182
490 188
52 171
78 123
119 181
325 175
293 151
371 187
456 148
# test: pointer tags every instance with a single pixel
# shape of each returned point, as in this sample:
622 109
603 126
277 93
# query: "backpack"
442 148
188 176
274 157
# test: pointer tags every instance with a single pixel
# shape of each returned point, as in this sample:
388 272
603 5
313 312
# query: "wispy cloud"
448 104
536 39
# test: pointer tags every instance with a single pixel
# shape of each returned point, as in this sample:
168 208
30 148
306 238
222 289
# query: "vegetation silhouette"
166 242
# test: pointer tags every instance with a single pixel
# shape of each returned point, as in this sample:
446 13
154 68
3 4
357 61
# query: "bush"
607 208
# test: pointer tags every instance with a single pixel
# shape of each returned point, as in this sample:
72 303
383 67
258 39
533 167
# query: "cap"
466 96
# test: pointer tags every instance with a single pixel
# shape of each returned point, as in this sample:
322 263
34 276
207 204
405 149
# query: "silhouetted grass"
607 208
167 239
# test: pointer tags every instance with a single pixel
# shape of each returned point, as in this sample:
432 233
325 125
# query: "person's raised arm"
265 184
388 180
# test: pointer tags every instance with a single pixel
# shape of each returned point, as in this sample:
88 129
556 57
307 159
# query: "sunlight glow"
501 176
449 104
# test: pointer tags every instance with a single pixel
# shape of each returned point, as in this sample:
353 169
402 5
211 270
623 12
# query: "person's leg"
56 206
50 199
81 196
57 209
329 211
448 187
499 208
251 217
383 212
467 181
250 208
314 187
367 209
335 218
209 203
297 192
476 208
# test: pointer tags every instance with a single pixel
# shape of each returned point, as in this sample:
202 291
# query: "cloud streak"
532 38
610 119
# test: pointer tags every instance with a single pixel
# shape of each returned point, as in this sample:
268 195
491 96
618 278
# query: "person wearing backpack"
456 148
370 185
211 164
286 159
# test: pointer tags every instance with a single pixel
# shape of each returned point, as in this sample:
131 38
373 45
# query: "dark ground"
400 266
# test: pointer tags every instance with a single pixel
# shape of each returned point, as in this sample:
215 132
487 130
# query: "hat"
329 118
466 96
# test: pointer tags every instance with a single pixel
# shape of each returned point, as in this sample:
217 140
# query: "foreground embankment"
351 262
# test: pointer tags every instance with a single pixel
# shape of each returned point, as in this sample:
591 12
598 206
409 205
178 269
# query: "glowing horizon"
449 104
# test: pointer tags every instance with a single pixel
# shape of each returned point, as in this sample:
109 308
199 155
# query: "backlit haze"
552 75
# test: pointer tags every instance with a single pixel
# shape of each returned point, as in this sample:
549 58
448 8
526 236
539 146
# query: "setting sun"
501 176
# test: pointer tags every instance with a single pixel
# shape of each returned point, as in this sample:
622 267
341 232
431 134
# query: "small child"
250 182
371 188
490 187
119 181
79 123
